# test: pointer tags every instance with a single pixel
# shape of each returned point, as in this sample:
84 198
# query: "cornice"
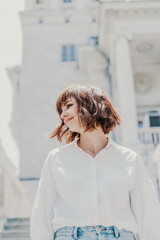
133 11
57 17
14 73
130 1
51 12
119 7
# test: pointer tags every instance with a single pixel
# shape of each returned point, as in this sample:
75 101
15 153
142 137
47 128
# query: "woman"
92 188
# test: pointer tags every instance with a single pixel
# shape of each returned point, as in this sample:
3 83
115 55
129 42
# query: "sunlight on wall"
10 49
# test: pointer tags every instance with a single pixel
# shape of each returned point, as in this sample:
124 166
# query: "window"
154 121
68 53
64 53
39 1
72 53
93 40
67 1
140 124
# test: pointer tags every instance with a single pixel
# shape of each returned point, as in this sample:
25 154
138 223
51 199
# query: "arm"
42 213
145 204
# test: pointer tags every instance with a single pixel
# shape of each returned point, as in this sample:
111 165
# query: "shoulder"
60 151
133 162
122 149
54 156
124 152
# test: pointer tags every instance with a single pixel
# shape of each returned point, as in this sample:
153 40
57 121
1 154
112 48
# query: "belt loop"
74 234
98 229
116 232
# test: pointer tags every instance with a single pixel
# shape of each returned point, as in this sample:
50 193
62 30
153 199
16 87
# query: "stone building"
110 44
13 201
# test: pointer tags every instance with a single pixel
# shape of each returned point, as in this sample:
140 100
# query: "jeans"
98 232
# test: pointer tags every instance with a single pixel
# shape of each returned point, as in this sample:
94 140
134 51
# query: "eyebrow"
66 103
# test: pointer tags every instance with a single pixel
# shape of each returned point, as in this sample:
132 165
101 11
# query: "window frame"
68 53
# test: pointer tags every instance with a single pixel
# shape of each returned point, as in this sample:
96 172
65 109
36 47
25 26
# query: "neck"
93 142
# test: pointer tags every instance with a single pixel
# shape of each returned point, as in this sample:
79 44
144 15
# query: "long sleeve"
42 212
145 204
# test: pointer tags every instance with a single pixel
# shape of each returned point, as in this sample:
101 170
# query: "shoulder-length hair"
94 109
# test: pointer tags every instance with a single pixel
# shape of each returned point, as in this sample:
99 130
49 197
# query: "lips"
67 120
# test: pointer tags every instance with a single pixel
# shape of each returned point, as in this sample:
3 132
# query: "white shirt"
111 189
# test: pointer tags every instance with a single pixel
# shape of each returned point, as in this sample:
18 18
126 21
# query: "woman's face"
70 115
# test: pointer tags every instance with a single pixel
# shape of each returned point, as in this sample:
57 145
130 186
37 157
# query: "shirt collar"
105 148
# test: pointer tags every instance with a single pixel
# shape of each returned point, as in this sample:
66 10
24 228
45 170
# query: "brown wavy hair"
94 109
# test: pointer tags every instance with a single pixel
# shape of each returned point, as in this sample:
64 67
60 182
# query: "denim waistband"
73 231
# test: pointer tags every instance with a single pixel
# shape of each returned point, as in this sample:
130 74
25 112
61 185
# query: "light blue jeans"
98 232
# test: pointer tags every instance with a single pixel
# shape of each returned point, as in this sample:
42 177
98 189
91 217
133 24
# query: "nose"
64 114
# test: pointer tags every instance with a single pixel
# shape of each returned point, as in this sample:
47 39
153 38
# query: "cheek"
74 125
75 109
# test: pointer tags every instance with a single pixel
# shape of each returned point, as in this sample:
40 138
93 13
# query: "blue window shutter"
64 53
72 53
67 1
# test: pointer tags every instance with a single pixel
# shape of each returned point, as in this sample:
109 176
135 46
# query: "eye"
69 105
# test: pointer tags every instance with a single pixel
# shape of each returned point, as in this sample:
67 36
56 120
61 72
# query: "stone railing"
73 5
68 6
13 200
149 135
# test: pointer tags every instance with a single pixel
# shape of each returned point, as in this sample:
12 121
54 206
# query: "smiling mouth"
69 119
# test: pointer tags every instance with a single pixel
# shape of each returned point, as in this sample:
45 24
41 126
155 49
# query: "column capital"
126 94
117 37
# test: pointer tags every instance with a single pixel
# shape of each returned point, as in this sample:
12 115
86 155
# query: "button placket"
94 191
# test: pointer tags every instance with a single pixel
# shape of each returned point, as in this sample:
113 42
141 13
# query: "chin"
72 129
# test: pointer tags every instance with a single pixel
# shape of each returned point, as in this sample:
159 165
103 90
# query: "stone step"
16 229
15 238
17 221
14 234
16 226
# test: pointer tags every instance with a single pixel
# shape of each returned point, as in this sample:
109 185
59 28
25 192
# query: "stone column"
126 93
1 186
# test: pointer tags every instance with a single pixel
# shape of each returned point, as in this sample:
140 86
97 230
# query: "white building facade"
13 201
129 35
110 44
